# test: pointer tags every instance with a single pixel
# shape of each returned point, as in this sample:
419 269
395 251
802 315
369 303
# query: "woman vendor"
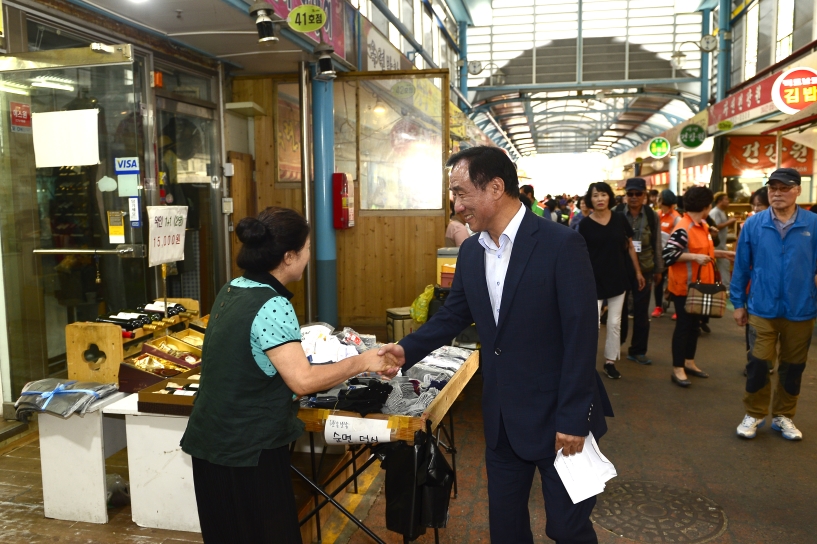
253 369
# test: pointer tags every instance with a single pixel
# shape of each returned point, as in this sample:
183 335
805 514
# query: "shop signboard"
659 148
692 136
753 156
795 89
332 30
380 53
750 103
306 18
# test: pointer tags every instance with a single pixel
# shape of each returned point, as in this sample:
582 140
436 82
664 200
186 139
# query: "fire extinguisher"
343 201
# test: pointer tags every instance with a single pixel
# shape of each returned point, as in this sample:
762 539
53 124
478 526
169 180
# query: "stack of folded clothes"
60 397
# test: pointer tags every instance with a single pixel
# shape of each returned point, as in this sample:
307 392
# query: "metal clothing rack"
443 431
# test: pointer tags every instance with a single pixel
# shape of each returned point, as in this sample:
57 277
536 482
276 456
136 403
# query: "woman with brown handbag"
689 254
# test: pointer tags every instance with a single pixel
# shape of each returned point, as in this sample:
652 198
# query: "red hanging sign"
795 89
757 156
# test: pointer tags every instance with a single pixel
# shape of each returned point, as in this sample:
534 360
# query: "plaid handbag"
707 299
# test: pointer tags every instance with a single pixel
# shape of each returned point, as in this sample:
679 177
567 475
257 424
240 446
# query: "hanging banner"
166 226
755 156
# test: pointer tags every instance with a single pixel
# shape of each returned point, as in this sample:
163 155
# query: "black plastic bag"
436 479
401 463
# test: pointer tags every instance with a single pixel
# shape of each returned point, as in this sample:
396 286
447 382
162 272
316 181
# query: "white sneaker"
749 426
790 432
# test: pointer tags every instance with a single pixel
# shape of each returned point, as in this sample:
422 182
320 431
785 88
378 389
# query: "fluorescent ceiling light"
13 88
53 85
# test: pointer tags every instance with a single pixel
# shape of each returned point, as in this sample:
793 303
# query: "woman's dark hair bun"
252 232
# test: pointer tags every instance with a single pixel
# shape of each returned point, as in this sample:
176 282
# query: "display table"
160 473
72 456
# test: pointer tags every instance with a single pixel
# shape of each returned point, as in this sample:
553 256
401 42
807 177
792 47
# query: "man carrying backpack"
647 242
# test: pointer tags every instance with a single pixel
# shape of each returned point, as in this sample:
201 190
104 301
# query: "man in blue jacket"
522 277
777 252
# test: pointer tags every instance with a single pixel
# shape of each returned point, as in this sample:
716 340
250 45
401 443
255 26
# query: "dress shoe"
705 328
696 373
679 381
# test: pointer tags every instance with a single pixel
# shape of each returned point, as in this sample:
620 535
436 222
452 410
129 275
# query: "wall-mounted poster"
289 136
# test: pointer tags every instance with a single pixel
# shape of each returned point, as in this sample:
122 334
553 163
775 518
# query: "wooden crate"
151 401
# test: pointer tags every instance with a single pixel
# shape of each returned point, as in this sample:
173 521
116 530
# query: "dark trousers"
685 336
659 291
641 318
247 504
509 482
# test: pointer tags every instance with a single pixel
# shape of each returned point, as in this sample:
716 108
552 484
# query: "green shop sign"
659 148
692 136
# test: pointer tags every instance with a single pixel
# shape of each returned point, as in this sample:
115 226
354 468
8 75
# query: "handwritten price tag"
166 240
356 430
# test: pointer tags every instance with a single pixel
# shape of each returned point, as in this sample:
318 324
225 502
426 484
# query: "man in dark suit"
528 285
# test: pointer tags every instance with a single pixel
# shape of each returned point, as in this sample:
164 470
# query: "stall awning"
802 117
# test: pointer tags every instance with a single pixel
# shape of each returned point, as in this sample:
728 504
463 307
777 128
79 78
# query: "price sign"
356 430
166 241
659 148
306 18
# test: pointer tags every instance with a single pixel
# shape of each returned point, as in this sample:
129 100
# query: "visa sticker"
126 165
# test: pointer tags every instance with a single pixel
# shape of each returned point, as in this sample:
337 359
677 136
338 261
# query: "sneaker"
657 312
784 424
674 317
705 328
640 359
611 371
749 426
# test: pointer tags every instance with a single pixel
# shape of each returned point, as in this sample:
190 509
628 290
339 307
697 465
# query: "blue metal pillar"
724 48
706 29
463 41
323 145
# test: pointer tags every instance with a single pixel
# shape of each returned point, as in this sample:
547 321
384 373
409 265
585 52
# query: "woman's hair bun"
252 232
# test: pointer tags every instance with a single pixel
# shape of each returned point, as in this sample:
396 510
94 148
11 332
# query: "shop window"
379 20
182 84
803 22
765 38
785 29
42 37
751 39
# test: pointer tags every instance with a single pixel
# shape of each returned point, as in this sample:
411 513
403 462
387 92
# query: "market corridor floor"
672 440
663 436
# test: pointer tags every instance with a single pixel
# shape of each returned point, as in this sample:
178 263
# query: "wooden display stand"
107 337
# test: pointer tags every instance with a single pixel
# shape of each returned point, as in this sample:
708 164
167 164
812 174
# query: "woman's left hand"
641 281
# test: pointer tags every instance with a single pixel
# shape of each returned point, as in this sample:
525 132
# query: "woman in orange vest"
688 252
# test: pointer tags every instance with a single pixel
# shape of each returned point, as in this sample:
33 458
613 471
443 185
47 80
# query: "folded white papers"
584 474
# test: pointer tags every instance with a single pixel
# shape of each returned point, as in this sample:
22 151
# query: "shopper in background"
759 200
535 207
609 238
534 401
722 223
688 253
582 212
777 252
456 232
668 217
253 367
647 243
653 202
549 212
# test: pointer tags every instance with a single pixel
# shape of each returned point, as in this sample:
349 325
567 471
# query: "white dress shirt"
497 259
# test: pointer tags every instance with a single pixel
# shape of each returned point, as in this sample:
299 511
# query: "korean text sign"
759 153
166 225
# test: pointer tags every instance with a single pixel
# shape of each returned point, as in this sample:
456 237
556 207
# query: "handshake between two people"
386 361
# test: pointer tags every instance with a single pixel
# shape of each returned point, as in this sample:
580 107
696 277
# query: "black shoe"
612 372
679 381
705 328
696 373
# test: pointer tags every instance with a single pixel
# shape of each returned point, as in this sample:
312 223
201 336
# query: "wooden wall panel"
383 261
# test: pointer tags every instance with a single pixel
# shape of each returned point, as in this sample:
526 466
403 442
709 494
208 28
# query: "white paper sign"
66 138
166 241
356 430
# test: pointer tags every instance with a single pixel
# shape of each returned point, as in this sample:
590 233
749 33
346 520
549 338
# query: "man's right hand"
394 353
741 317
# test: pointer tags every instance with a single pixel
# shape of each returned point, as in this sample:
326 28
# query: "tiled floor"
661 433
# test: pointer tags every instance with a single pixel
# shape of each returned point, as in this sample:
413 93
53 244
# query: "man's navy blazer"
539 361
